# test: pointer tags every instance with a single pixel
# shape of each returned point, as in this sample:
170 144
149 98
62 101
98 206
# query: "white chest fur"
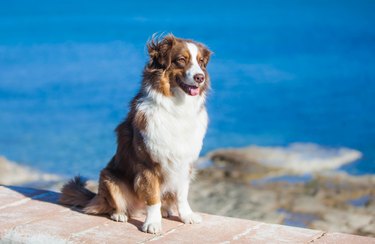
175 130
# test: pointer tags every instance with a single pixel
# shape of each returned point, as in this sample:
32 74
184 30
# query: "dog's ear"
159 50
206 53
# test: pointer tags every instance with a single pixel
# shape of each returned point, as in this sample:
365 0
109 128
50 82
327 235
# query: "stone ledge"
33 216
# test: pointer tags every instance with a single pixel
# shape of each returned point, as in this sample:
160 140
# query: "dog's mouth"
189 89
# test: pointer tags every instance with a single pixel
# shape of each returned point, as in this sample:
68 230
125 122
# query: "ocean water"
282 72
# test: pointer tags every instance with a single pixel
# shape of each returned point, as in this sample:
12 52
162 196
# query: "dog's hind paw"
192 218
166 213
119 217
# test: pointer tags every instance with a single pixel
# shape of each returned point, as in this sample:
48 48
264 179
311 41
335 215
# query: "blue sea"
282 72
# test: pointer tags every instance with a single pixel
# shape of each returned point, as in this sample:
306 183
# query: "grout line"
27 199
83 232
158 237
247 231
243 233
321 235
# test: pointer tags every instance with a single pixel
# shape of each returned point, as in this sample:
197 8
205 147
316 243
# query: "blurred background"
293 80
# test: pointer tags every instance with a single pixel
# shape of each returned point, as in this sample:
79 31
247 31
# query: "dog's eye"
181 60
201 62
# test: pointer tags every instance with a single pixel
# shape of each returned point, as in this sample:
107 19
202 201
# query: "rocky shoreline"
12 173
237 183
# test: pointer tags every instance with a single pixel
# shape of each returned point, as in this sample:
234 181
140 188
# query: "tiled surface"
32 216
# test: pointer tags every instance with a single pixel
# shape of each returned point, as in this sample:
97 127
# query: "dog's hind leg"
117 192
110 199
168 203
117 201
98 205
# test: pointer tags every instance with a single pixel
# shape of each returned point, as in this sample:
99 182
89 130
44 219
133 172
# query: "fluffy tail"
75 193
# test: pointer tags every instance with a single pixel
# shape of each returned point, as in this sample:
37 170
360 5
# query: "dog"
157 143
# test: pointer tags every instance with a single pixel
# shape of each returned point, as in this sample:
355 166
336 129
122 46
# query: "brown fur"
76 193
132 178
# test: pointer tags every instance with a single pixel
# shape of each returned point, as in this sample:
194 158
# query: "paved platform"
33 216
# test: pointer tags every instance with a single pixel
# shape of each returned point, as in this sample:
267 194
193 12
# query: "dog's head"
178 63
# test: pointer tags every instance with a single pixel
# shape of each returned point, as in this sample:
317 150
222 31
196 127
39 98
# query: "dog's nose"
199 78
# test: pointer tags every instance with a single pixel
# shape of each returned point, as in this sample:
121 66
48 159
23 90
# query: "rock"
289 185
359 221
298 158
12 173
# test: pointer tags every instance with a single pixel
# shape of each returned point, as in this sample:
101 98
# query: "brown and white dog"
158 141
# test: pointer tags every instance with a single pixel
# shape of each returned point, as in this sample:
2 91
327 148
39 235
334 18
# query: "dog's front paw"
192 218
153 228
119 217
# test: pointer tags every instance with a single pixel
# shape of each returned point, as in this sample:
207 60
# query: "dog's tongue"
193 91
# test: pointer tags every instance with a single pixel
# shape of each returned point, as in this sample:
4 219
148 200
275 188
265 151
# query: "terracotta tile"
112 232
340 238
271 233
213 229
41 218
23 212
13 194
59 225
28 215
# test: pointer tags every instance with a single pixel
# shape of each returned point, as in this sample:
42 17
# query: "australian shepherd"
157 143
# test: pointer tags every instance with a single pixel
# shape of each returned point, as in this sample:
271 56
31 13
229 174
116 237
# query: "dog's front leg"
186 214
148 188
152 223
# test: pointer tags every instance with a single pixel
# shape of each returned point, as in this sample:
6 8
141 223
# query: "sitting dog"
158 142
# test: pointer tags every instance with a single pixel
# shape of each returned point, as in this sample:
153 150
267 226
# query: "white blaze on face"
195 68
